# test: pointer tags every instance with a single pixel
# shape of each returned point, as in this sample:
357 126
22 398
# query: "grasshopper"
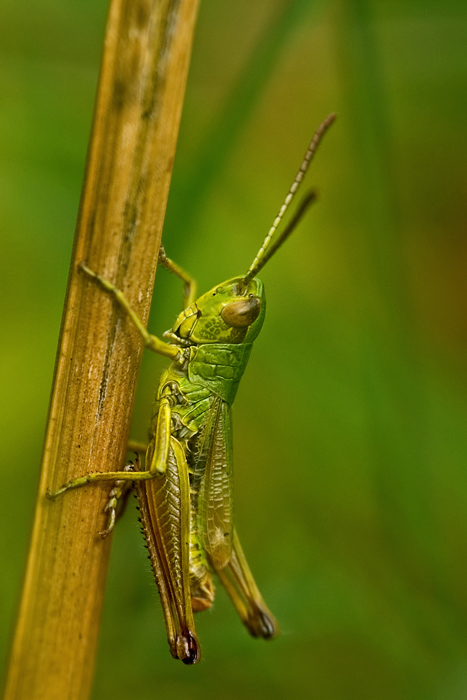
185 491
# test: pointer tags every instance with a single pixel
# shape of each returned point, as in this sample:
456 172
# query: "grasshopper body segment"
185 489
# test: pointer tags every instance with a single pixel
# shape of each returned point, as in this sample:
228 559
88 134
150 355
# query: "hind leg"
240 585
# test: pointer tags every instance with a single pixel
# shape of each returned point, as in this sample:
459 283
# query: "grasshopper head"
233 312
228 313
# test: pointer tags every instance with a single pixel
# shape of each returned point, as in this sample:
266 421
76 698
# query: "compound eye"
241 313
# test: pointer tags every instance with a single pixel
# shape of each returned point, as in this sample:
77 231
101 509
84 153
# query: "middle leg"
156 459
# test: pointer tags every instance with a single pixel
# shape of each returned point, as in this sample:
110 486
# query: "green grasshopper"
185 492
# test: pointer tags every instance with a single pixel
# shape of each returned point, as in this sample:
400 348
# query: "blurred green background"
350 424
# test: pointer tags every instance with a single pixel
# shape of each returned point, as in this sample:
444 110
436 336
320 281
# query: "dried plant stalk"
139 101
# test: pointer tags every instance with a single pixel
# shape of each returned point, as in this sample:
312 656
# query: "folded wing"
214 467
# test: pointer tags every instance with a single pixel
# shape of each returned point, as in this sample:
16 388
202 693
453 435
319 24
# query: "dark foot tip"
263 625
190 651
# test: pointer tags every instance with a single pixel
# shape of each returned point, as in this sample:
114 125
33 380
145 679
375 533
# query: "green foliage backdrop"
350 424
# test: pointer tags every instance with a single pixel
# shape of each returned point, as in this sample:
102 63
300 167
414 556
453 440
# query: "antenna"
262 257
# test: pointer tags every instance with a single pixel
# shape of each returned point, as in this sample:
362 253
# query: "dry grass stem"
139 102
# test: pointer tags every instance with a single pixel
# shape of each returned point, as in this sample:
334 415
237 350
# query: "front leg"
150 341
189 284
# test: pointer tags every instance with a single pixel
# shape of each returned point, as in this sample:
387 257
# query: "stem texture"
138 107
